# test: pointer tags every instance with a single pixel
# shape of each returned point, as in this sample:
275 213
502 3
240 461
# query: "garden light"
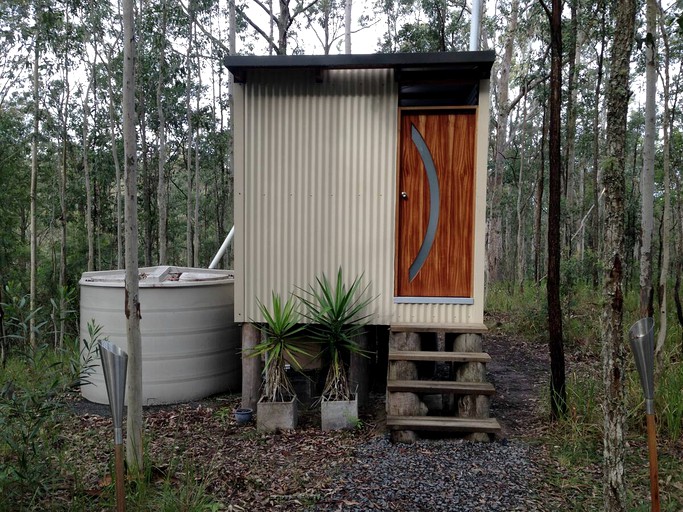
641 337
114 364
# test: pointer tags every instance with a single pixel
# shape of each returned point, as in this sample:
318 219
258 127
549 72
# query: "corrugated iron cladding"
317 178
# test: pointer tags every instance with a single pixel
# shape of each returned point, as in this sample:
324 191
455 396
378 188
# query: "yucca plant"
337 314
279 334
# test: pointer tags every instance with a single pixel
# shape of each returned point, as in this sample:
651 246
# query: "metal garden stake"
114 363
641 337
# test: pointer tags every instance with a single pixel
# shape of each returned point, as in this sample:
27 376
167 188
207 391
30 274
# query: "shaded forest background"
61 155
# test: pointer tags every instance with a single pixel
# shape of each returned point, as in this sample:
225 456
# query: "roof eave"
472 63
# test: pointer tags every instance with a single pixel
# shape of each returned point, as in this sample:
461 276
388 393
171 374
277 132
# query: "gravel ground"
431 475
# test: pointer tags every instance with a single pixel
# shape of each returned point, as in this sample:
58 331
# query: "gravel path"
451 474
431 475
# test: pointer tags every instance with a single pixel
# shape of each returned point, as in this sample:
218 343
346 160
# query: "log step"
443 424
425 355
441 386
455 328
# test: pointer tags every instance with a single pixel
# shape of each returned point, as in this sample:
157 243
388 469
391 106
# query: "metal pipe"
475 27
224 247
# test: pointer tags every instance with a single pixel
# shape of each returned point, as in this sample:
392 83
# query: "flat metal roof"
470 64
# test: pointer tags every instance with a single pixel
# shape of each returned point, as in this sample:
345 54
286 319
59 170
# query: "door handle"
404 195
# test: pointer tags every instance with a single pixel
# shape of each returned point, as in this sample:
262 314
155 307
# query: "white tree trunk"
188 114
666 220
495 237
195 239
347 26
132 306
162 192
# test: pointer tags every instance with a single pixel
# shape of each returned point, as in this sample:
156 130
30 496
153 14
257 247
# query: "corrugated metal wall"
315 189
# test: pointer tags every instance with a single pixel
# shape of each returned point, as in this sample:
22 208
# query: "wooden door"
435 226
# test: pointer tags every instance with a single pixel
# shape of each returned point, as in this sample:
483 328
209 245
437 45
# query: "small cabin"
373 163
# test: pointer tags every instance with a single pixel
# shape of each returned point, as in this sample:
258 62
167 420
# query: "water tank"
190 342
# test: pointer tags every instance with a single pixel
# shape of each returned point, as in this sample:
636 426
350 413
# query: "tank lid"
157 276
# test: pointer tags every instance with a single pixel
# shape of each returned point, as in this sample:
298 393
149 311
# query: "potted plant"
277 406
338 317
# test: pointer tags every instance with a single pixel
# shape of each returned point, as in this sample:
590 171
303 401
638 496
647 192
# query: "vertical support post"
358 372
251 367
404 403
472 406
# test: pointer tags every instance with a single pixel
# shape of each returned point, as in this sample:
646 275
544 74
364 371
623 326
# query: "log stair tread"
424 355
443 424
441 386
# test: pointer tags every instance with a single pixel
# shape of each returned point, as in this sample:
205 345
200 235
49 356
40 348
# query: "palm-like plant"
279 335
337 314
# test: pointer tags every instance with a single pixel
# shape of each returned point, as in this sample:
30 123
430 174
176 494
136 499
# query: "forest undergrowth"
51 459
573 445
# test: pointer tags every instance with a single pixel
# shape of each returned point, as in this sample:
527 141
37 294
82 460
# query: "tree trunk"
271 21
34 191
520 267
63 208
596 237
573 200
666 216
188 113
195 239
132 307
162 192
647 177
558 394
146 183
612 317
117 164
538 196
283 23
495 236
89 223
347 26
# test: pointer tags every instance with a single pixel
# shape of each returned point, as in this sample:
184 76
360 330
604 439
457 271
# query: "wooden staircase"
406 388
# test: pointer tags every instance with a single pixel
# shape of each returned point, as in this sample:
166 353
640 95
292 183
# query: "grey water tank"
190 342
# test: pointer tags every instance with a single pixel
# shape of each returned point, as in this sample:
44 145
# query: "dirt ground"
519 371
245 470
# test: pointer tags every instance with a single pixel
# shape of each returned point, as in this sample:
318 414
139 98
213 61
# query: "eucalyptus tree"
327 19
286 21
14 195
34 170
597 213
494 251
614 163
132 306
425 25
189 253
42 32
647 177
558 393
162 185
670 93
